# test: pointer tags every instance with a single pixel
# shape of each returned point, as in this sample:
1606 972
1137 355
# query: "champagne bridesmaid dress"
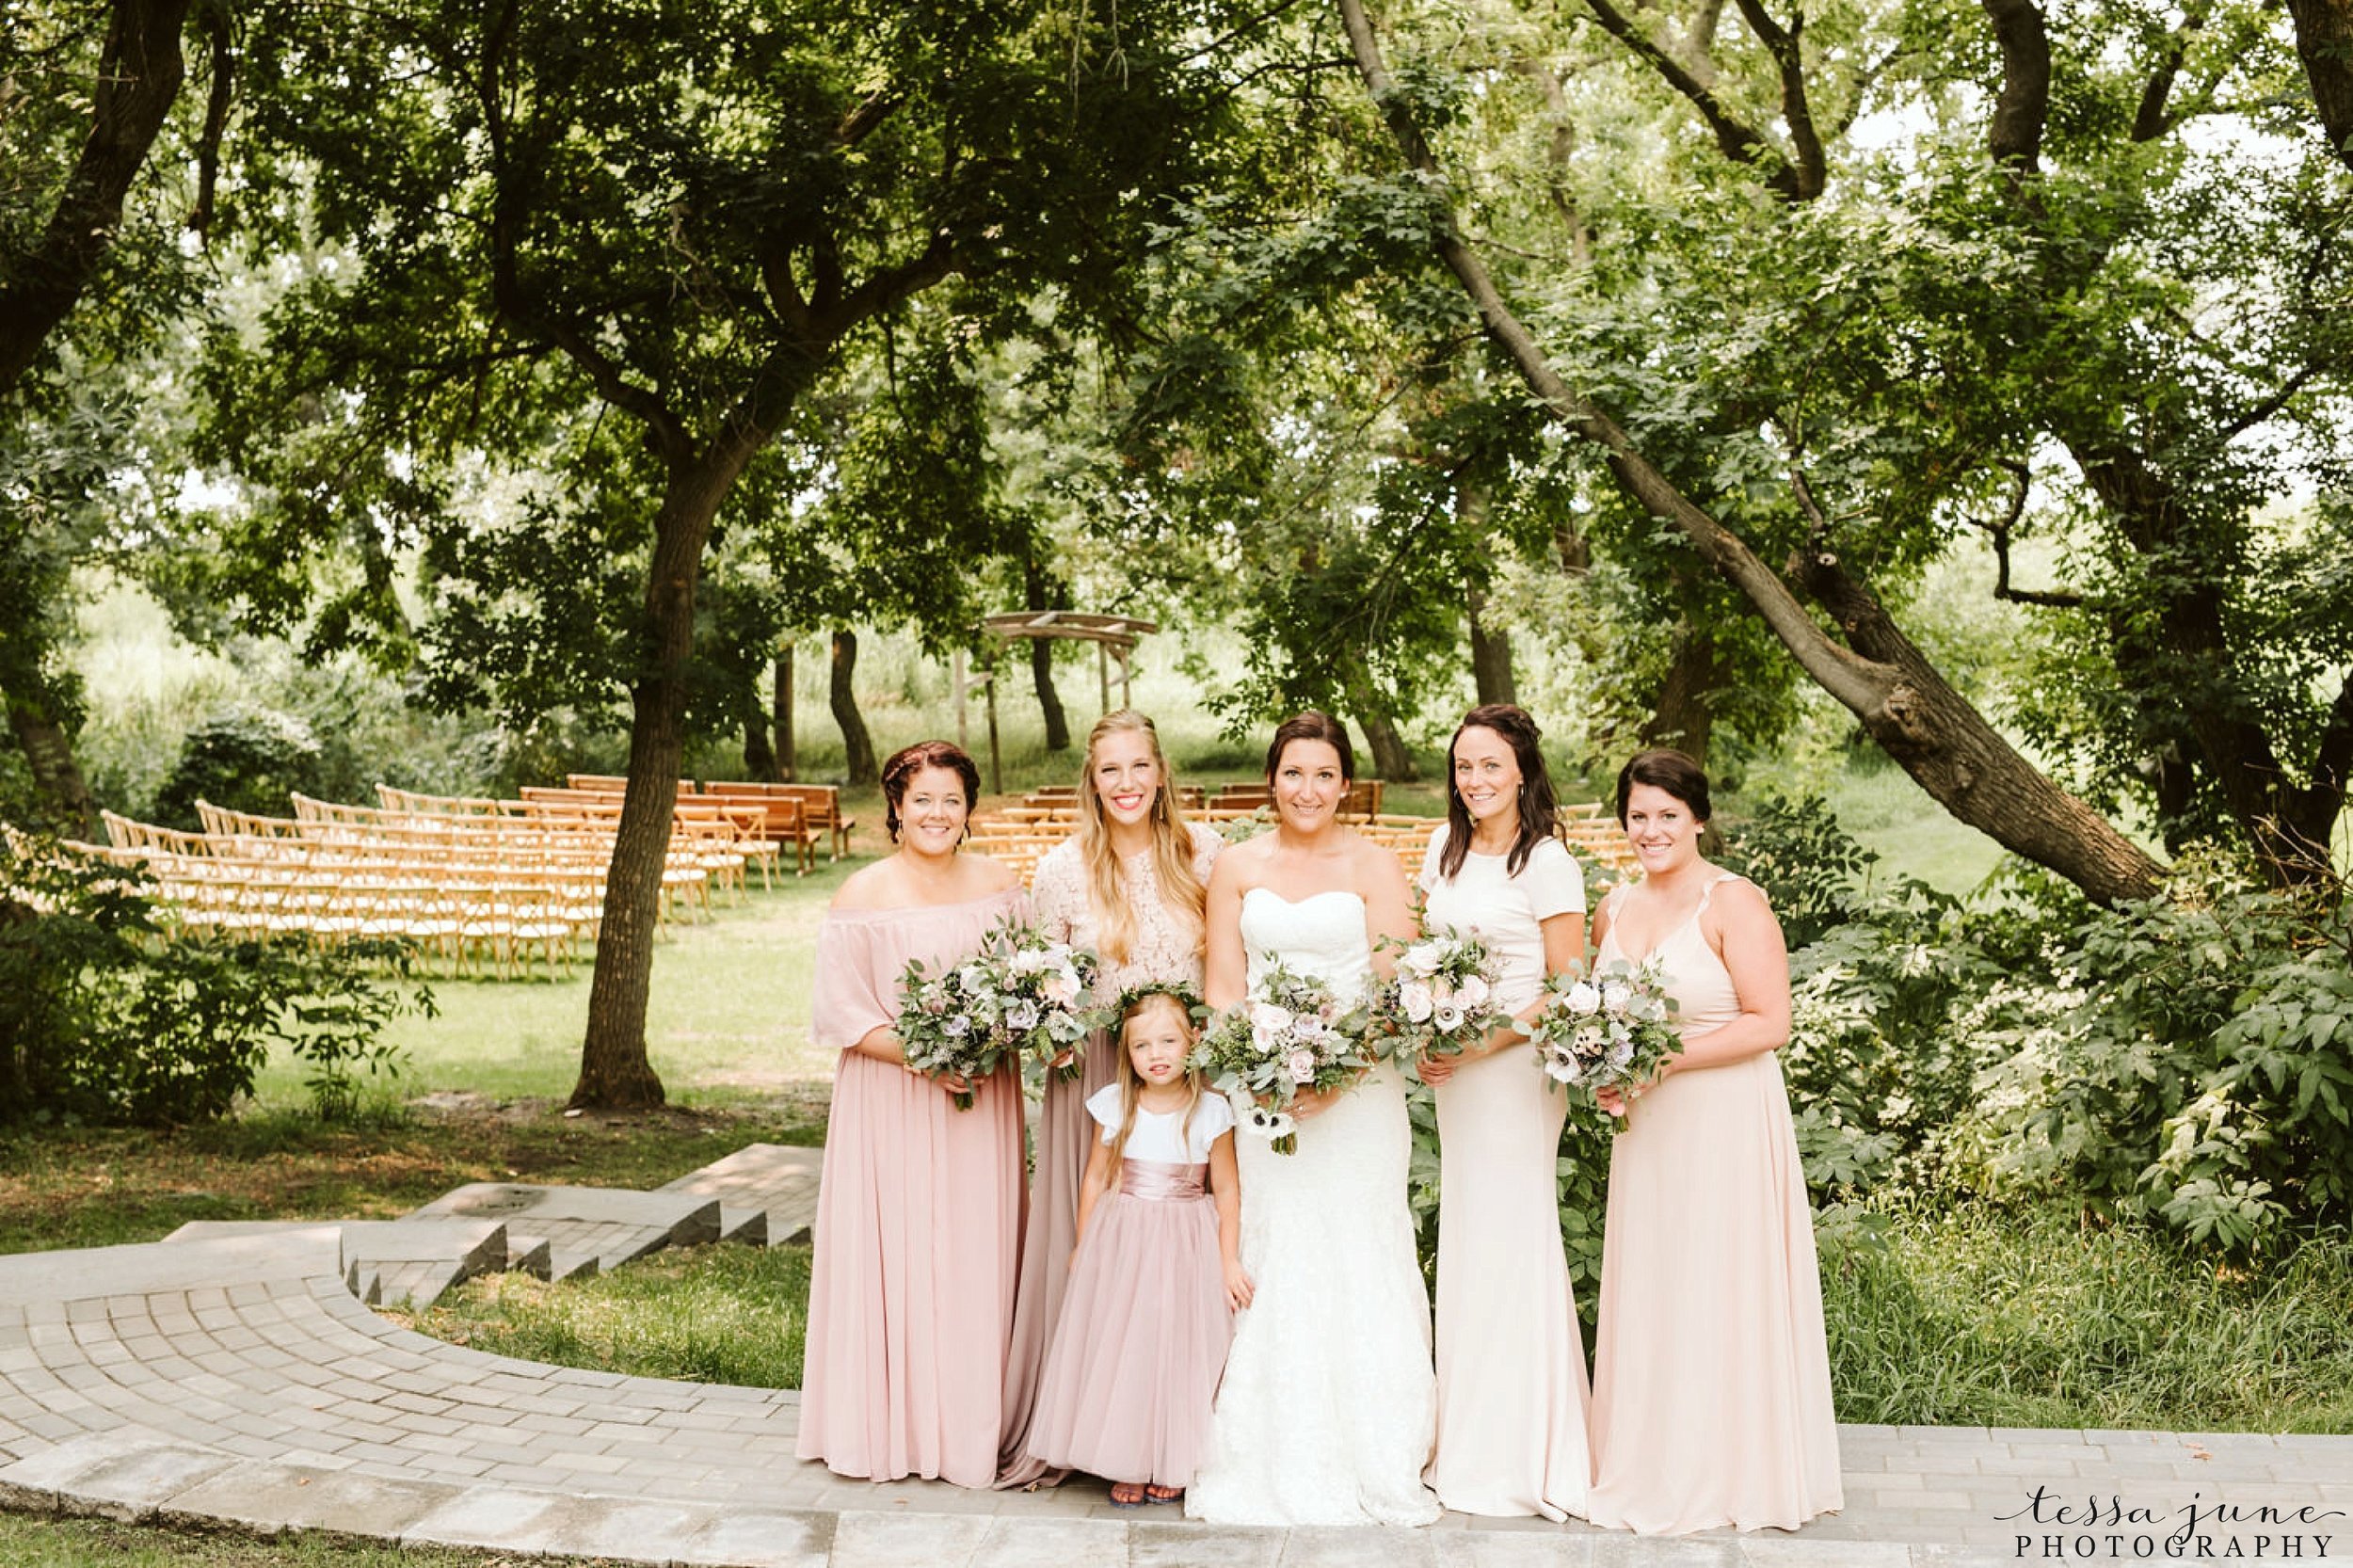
1711 1369
919 1222
1512 1395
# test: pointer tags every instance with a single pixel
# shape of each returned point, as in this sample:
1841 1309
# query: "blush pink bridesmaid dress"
919 1222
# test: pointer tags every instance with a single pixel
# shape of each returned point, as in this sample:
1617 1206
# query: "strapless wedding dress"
1328 1405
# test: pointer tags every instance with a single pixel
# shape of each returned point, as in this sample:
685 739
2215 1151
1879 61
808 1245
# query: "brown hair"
1312 725
1132 1086
1665 769
1181 888
909 760
1537 813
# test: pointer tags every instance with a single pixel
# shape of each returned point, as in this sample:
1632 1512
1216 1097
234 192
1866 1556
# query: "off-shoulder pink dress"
1162 948
919 1222
1711 1370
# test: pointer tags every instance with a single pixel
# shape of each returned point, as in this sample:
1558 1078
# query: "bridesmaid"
918 1209
1511 1397
1712 1380
1131 885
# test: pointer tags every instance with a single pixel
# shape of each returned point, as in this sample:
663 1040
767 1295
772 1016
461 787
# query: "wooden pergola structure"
1113 636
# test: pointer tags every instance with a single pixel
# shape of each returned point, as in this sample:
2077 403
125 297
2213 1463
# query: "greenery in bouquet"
1608 1029
1016 998
1441 999
1291 1033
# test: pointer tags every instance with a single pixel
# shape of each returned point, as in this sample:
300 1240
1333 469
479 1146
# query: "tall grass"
2030 1318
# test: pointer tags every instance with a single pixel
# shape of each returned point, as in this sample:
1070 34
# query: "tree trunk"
759 757
1391 760
1035 595
615 1074
139 72
857 745
48 749
1490 651
1926 726
788 755
1686 711
1490 646
2324 37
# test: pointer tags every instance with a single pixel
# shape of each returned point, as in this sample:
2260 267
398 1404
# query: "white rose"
1416 999
1582 999
1302 1065
1269 1016
1614 996
1472 993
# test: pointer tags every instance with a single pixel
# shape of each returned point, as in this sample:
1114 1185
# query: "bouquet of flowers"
1441 999
1018 997
1608 1030
1293 1034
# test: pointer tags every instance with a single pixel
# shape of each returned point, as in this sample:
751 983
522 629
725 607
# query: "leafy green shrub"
104 1016
2191 1062
246 759
1807 865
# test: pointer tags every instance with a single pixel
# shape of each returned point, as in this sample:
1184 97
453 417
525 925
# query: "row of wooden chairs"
804 814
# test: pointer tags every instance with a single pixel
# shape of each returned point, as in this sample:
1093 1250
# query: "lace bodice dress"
1161 946
1327 1408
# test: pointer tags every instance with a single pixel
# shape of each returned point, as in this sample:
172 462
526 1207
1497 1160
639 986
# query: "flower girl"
1157 1274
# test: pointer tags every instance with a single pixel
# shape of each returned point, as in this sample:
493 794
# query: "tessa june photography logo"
2053 1528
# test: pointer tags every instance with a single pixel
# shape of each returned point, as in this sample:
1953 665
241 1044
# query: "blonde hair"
1181 888
1131 1084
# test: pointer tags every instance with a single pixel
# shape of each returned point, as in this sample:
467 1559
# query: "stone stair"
763 1193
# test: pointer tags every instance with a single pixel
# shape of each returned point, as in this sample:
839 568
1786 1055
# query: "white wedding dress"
1329 1402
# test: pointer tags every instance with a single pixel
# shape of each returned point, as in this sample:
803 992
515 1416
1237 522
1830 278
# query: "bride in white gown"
1328 1405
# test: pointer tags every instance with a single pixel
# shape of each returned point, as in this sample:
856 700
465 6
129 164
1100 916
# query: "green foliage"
1807 865
245 759
2191 1062
108 1017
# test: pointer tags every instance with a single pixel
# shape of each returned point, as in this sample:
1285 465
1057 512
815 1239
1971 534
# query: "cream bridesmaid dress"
1512 1395
1711 1370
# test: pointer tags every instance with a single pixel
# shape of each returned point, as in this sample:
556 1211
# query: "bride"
1328 1405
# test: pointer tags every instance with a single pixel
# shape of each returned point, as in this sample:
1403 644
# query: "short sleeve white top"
1156 1136
1506 912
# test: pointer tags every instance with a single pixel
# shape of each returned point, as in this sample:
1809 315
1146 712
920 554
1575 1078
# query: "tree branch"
2015 135
139 72
220 32
2153 120
2272 405
1737 141
1782 43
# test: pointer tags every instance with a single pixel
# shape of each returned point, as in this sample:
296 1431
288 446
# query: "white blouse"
1506 912
1156 1136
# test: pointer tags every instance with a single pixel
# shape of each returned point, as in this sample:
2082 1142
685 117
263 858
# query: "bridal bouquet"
1293 1034
1441 1001
1608 1030
1019 997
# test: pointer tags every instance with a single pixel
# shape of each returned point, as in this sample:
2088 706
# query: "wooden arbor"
1113 636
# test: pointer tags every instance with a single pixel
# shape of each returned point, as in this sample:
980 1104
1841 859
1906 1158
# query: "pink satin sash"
1162 1179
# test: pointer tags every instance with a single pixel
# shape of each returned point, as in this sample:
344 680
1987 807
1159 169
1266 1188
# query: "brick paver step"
229 1378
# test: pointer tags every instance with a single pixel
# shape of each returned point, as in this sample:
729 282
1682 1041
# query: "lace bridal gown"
1328 1405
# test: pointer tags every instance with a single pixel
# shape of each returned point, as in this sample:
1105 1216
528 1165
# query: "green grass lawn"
34 1541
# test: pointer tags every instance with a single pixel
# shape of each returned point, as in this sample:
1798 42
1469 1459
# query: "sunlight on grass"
715 1314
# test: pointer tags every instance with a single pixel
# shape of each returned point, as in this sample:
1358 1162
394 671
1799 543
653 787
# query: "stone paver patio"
232 1377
